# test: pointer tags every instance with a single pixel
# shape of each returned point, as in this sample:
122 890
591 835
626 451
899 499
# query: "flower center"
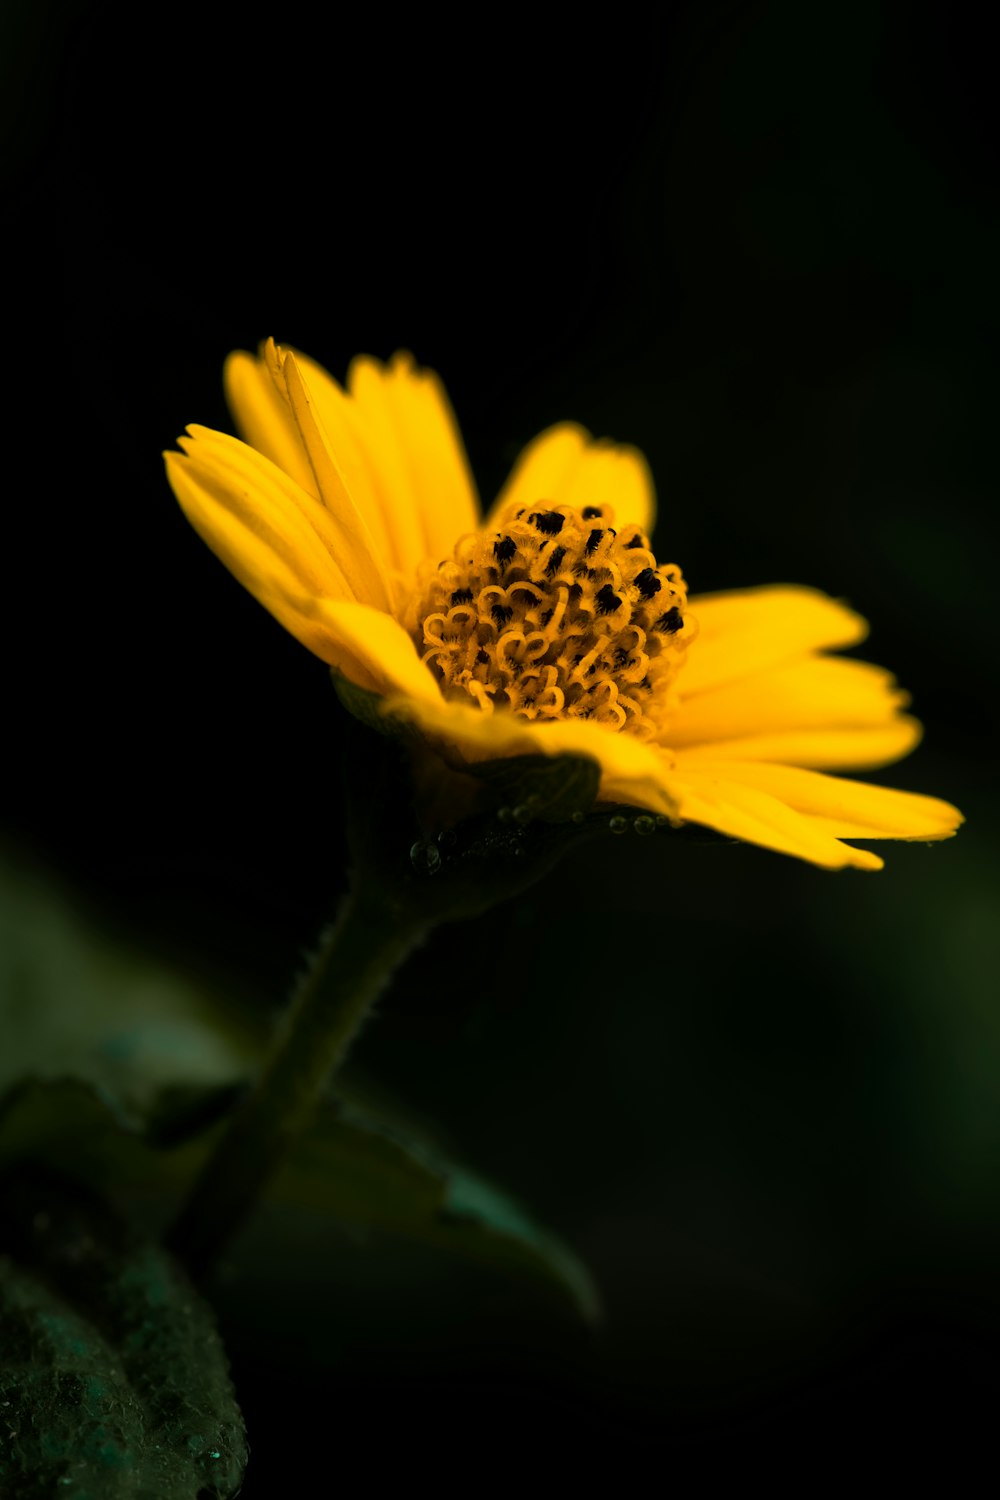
555 614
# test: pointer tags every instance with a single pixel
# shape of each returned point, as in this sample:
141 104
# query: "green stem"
357 957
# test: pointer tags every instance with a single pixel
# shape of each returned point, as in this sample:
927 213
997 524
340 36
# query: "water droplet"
618 824
576 817
661 820
523 814
446 838
425 857
644 825
503 815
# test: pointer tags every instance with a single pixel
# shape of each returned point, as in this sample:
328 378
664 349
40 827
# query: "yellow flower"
548 627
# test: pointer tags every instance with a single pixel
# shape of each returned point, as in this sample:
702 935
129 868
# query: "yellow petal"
264 418
406 430
846 809
352 541
432 445
334 409
262 536
745 812
253 479
373 650
752 630
822 749
636 774
566 466
817 692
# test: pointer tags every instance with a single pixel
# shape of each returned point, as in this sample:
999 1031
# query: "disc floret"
553 613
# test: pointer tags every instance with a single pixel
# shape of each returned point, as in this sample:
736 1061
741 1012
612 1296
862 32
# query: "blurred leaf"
67 1127
381 1177
72 1003
114 1381
357 1169
120 1075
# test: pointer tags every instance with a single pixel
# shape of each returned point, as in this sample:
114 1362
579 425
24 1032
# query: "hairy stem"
356 959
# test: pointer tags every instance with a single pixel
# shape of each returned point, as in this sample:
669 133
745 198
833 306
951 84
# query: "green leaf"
131 1071
66 1126
355 1166
114 1381
74 1002
383 1177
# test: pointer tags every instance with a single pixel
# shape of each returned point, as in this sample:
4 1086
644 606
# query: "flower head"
548 627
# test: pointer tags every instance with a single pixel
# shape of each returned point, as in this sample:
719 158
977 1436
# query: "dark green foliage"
113 1380
354 1167
389 1177
138 1132
76 1002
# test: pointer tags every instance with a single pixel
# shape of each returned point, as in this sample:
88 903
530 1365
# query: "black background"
760 242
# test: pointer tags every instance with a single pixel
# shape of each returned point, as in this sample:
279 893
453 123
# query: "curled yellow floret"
547 626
